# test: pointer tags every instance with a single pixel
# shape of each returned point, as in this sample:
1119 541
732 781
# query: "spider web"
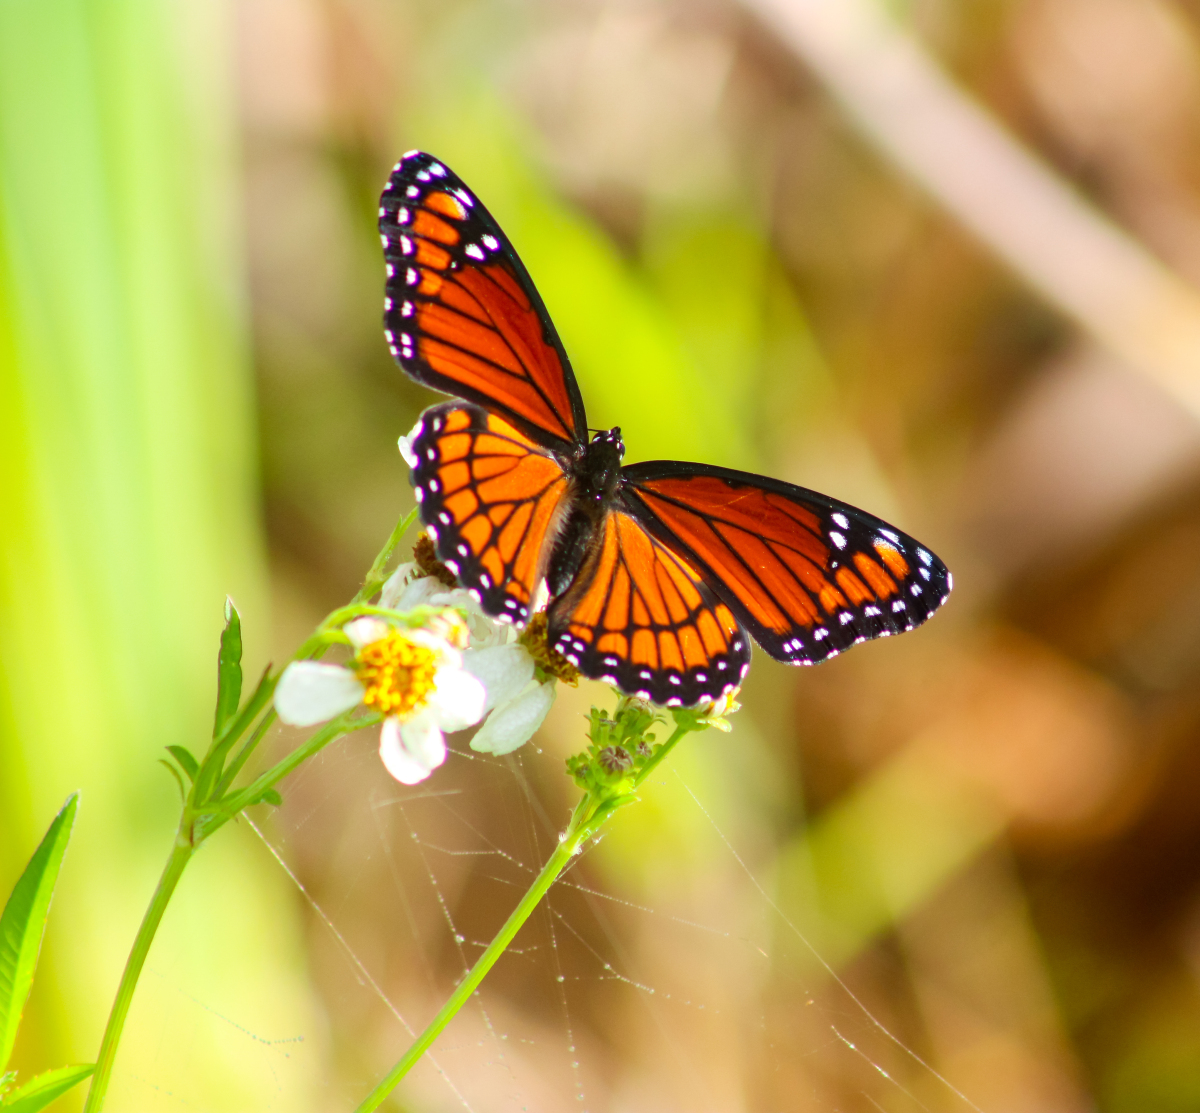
659 973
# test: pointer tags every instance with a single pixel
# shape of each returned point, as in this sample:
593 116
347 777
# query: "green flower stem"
662 751
590 815
181 854
577 833
377 576
197 822
330 732
248 747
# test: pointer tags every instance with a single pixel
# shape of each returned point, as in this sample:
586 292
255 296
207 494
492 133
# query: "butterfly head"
599 469
611 438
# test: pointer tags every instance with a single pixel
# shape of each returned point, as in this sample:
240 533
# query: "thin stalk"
579 831
659 754
198 822
172 872
330 732
235 766
589 817
376 577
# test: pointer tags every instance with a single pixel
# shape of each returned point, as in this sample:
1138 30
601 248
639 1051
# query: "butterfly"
657 572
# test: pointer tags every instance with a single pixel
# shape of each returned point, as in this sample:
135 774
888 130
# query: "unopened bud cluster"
618 748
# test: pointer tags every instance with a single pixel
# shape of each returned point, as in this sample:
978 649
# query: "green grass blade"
24 921
41 1090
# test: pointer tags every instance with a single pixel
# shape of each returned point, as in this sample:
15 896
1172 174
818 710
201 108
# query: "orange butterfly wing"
807 575
641 617
688 558
491 498
461 313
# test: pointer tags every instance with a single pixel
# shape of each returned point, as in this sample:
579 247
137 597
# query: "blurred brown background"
959 870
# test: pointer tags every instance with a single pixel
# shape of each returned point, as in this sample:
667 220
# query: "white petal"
484 629
310 692
411 751
406 446
512 724
422 738
453 597
419 593
393 589
365 630
457 700
429 591
504 670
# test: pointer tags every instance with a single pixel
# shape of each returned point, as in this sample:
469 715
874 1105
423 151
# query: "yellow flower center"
396 674
536 640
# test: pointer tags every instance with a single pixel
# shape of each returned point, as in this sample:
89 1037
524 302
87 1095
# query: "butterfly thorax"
597 472
595 477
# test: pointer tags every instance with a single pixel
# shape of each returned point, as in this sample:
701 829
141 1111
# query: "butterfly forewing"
461 313
640 616
685 558
807 575
491 499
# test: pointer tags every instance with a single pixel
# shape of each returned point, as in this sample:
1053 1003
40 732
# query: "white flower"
517 701
412 677
406 445
716 714
404 593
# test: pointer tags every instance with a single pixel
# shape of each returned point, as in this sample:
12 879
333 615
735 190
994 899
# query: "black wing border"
796 648
404 174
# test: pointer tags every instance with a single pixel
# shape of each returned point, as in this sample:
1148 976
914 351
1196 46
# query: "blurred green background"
959 870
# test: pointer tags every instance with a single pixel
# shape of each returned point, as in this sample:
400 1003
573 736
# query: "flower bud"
615 759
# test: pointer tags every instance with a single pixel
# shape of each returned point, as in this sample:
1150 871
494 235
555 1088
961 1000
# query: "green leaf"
214 762
23 922
174 773
270 796
186 761
41 1090
229 669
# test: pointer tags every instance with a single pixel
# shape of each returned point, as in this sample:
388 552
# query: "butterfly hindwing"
640 616
807 575
490 498
461 313
686 561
